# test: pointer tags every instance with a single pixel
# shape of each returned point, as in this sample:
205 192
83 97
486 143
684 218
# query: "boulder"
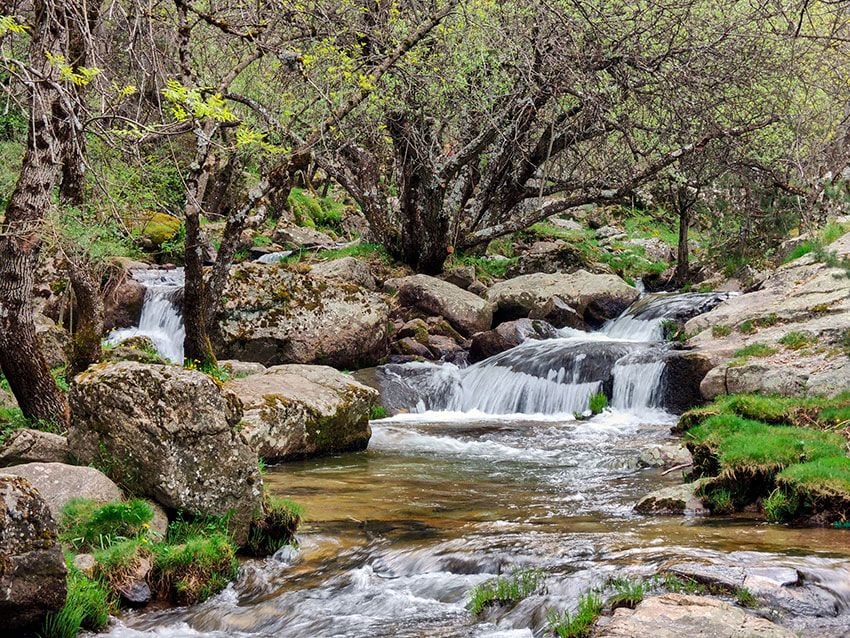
443 347
559 314
32 566
549 257
59 483
27 446
677 615
682 379
240 369
348 269
296 411
461 276
464 310
274 316
508 335
158 228
654 249
416 329
596 297
409 346
167 433
566 224
298 236
54 341
122 301
610 232
664 455
676 499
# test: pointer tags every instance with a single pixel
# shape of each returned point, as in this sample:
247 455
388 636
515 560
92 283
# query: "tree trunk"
21 357
682 265
88 331
197 347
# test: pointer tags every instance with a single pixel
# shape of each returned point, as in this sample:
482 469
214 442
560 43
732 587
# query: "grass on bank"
788 454
504 590
579 623
87 606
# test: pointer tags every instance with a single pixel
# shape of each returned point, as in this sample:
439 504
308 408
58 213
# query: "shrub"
88 525
378 412
578 624
87 606
504 590
799 250
194 570
598 402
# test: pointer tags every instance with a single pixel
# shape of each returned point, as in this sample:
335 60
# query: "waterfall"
161 320
625 360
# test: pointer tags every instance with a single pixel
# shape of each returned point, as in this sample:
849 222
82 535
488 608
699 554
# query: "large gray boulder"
33 446
59 483
596 297
294 411
508 335
32 566
466 312
273 315
167 433
347 269
677 615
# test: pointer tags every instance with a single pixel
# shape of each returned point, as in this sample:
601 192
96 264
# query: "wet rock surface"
676 499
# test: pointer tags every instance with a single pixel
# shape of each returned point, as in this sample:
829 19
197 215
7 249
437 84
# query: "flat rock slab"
681 616
34 446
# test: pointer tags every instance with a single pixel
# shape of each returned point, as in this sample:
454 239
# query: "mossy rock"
160 227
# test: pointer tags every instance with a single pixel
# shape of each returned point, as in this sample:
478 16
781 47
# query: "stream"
491 472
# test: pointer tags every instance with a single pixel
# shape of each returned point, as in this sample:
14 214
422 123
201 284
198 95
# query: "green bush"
578 624
598 402
504 590
720 501
747 327
86 525
87 606
378 412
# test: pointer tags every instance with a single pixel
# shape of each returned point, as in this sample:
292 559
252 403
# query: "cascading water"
625 360
161 320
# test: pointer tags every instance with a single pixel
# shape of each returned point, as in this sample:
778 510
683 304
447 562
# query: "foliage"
598 402
86 525
745 598
378 412
796 340
755 350
87 606
720 501
628 592
196 568
779 506
275 528
578 624
504 590
720 330
316 211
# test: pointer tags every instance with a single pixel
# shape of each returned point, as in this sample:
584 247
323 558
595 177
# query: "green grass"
119 559
628 592
276 528
11 420
719 331
486 269
378 412
314 211
260 241
359 250
598 402
192 571
86 525
825 474
747 327
504 590
87 606
780 506
755 350
745 598
578 624
720 501
796 340
183 528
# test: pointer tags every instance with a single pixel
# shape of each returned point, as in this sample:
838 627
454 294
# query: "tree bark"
88 331
21 357
682 265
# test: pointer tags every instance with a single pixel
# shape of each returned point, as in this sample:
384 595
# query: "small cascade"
625 360
273 258
161 320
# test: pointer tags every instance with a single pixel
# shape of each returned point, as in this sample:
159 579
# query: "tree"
21 358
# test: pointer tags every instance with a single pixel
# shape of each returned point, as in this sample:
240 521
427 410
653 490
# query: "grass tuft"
86 525
598 402
578 624
87 606
194 570
755 350
504 590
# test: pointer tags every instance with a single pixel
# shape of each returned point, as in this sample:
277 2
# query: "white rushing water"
161 320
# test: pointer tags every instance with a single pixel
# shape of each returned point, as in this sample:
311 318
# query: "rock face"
558 313
59 483
595 297
27 446
32 567
169 434
348 269
677 615
508 335
274 316
294 411
465 311
803 296
676 499
122 301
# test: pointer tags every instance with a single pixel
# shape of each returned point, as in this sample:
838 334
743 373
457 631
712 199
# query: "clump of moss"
720 330
87 525
504 590
194 570
796 340
755 350
87 606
